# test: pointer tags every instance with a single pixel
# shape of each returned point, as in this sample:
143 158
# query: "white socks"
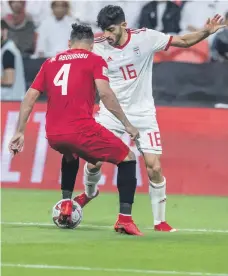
157 194
90 181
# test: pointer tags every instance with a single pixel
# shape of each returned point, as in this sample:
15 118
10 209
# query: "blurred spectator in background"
54 32
38 9
162 16
196 12
12 69
87 11
21 28
220 44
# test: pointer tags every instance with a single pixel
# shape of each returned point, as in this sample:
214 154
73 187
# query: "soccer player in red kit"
70 80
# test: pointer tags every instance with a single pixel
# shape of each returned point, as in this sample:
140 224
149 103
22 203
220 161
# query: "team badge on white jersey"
137 51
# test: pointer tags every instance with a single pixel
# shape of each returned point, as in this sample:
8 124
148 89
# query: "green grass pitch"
94 249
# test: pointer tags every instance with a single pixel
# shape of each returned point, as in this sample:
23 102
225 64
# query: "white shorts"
149 140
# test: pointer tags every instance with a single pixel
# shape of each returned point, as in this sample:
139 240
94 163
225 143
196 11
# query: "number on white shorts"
155 139
63 82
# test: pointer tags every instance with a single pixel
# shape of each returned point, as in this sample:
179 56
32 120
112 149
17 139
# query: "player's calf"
69 171
157 192
154 170
126 184
92 175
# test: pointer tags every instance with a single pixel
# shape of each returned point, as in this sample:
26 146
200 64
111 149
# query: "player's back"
70 88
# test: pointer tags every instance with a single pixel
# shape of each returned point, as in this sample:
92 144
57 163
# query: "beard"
115 42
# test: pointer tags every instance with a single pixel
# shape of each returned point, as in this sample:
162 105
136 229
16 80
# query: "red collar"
127 41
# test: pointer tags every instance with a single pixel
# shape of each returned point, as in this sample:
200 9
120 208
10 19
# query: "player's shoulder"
99 40
46 63
138 33
49 62
96 58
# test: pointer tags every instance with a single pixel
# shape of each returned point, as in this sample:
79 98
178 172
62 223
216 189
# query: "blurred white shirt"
53 35
196 13
87 11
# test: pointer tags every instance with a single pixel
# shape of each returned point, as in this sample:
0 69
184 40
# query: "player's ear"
91 46
124 25
69 44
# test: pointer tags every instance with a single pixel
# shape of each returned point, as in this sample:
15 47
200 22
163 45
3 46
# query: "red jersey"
68 79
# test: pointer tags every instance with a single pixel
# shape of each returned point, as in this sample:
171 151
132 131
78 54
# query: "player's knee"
154 172
157 169
130 157
94 168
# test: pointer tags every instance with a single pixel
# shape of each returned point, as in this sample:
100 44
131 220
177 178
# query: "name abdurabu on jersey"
72 56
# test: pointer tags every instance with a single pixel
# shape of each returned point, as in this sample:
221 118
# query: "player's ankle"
125 209
66 194
157 222
92 194
124 218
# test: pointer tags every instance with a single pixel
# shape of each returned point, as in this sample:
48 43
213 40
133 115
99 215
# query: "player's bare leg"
157 192
126 184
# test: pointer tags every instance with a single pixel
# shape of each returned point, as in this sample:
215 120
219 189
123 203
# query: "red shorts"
95 143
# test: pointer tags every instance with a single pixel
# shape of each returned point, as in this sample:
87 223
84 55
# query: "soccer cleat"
83 199
164 227
65 212
126 225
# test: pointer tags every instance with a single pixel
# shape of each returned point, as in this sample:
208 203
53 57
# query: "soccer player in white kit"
129 55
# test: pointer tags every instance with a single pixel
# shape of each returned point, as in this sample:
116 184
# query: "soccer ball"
76 216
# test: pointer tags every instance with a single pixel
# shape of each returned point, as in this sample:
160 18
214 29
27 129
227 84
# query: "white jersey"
130 69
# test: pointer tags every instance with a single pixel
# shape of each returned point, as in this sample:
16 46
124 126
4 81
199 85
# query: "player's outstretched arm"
27 104
188 40
26 108
110 101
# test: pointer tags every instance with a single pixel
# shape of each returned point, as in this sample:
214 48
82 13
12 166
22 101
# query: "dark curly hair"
110 15
80 32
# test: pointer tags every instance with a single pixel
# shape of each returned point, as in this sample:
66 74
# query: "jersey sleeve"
39 81
100 70
158 41
98 48
8 60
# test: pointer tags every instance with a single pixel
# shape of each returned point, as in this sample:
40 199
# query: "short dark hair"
110 15
65 3
4 25
81 32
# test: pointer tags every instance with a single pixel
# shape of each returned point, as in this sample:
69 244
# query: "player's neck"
81 46
123 38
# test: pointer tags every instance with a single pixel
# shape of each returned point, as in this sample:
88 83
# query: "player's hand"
214 24
132 131
16 144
